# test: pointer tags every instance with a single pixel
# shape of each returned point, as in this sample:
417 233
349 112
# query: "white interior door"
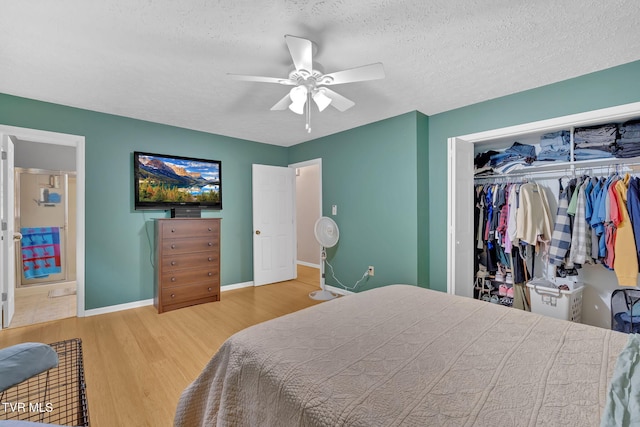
460 240
274 236
7 251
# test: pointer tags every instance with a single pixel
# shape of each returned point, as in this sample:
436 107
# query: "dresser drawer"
187 293
186 277
194 244
207 259
187 228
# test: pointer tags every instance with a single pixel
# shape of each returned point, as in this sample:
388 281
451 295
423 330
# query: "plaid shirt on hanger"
561 237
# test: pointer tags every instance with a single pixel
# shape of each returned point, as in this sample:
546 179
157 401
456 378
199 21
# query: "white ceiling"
167 61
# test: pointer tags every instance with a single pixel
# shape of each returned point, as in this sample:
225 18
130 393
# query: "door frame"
312 162
78 142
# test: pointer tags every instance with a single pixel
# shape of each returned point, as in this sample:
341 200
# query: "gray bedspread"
401 355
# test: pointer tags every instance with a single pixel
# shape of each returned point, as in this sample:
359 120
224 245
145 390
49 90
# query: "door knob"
17 236
257 231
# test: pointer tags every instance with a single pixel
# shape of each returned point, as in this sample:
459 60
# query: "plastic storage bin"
553 302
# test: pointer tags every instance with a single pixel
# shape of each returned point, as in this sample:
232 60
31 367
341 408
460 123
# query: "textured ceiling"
167 61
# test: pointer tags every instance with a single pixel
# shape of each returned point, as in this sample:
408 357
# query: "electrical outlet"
371 270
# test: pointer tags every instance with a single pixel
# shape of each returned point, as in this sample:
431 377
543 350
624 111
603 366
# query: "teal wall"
118 239
424 252
388 179
370 173
614 86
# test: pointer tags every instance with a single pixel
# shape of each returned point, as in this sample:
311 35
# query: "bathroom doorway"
50 151
45 207
45 218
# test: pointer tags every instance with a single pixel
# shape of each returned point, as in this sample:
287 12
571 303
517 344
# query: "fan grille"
326 232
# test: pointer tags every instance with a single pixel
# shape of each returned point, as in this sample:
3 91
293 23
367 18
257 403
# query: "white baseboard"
236 286
144 303
119 307
308 264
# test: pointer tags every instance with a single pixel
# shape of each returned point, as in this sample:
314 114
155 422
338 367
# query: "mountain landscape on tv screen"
177 180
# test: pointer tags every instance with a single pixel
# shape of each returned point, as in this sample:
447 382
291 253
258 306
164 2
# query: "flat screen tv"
169 182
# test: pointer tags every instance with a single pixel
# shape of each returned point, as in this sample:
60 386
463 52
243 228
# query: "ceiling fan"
310 84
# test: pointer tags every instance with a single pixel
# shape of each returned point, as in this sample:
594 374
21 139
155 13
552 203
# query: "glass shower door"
42 218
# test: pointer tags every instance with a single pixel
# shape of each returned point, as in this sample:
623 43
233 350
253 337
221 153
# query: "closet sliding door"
460 242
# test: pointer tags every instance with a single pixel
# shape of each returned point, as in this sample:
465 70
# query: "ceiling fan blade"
261 79
301 51
358 74
338 101
282 104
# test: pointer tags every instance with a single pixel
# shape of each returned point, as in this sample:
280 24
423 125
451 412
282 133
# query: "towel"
40 252
623 400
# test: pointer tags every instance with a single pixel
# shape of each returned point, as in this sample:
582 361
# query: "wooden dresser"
187 262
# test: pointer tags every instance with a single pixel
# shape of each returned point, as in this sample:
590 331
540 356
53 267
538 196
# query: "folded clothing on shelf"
595 142
629 143
555 146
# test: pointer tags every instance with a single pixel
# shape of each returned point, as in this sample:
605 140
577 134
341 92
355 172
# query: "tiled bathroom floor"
33 304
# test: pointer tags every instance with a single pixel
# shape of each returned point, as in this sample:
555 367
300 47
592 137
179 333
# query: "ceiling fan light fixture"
321 99
298 97
310 82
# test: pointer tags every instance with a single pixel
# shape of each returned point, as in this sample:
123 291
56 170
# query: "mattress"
406 356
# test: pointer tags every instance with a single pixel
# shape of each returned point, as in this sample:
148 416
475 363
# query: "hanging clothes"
633 209
561 237
533 216
514 195
626 262
581 235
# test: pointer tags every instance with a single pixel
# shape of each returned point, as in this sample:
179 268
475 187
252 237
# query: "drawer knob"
173 295
173 263
210 259
173 279
209 228
173 246
173 230
209 289
210 244
210 274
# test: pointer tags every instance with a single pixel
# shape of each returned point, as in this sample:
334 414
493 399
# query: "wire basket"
57 396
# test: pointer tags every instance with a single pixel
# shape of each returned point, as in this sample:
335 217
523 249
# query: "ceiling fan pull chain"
308 126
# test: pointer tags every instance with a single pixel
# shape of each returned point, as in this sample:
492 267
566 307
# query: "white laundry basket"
553 302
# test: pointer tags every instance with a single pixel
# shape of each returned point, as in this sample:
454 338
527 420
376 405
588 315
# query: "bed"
403 355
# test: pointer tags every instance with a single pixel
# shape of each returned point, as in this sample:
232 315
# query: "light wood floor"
33 305
137 362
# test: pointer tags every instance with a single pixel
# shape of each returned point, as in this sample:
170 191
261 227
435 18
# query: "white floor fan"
327 234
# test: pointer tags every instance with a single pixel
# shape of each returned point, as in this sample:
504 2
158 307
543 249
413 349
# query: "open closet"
550 176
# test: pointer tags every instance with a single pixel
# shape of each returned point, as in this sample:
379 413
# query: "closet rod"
572 171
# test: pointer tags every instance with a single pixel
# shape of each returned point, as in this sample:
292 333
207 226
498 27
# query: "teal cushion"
635 309
22 361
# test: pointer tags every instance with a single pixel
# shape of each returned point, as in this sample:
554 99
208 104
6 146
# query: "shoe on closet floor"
502 290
